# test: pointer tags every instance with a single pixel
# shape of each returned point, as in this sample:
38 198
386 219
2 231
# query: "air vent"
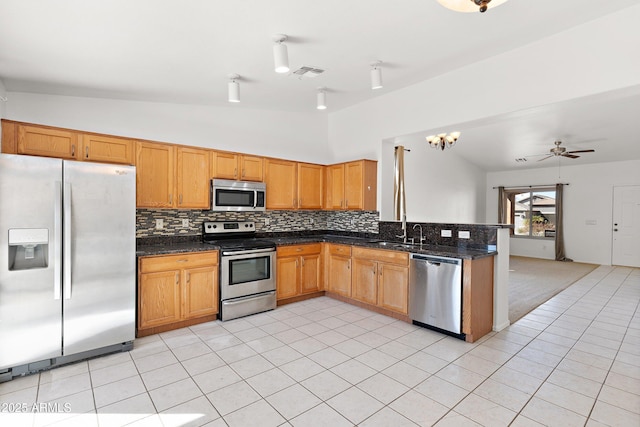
307 72
521 160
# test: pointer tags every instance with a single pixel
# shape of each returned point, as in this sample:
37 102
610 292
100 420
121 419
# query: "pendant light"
376 75
471 5
321 99
233 88
280 55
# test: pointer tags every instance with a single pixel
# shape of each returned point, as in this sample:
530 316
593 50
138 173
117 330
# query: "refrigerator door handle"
66 200
57 247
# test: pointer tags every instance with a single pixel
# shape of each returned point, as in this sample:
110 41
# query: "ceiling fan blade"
580 151
571 156
545 158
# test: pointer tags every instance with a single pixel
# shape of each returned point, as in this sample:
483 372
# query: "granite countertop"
173 247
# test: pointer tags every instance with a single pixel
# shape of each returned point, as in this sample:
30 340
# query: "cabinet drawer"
178 262
391 257
343 250
307 249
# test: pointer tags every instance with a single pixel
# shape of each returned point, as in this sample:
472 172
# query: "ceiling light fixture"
442 140
233 91
376 75
321 99
280 55
471 5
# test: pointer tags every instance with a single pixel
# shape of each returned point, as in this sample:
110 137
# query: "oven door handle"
248 251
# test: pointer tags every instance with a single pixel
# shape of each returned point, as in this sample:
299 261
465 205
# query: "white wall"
569 65
589 197
297 136
3 104
439 186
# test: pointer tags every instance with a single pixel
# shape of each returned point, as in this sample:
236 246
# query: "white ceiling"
182 52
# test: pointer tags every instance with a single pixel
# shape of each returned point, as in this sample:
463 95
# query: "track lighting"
376 75
321 99
280 55
233 94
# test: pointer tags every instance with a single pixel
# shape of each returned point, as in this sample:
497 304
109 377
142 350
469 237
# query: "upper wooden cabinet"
48 142
155 165
192 182
156 168
236 166
310 186
280 178
352 185
106 149
292 185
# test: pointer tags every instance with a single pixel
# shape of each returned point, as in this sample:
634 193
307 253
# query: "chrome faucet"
422 238
404 229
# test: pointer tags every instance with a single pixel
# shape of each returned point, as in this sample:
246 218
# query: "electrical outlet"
445 233
185 222
310 220
464 235
159 223
267 221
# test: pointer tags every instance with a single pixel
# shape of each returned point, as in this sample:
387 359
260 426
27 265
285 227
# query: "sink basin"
396 245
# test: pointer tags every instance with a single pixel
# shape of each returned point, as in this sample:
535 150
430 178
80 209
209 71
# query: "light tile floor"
575 360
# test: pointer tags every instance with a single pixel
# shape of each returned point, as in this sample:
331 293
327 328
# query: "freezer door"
30 263
99 255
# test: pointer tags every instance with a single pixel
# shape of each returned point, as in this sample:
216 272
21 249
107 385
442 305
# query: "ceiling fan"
559 151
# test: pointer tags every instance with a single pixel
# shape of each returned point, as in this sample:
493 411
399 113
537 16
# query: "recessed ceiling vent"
521 160
307 72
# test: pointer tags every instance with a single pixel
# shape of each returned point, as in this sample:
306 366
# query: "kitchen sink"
397 245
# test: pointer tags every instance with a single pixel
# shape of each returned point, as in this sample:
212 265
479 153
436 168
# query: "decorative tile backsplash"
266 222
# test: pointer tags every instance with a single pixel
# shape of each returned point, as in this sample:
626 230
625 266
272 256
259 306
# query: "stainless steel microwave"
228 195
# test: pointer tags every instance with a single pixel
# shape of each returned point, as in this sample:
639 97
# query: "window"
532 211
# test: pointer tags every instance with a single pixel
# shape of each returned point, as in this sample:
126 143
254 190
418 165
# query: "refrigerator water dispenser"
28 248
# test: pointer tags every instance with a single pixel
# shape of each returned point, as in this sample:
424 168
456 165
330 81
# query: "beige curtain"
399 201
501 206
560 253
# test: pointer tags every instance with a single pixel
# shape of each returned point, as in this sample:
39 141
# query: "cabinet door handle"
86 152
177 279
235 172
296 263
188 277
73 150
170 199
243 172
349 265
180 199
303 262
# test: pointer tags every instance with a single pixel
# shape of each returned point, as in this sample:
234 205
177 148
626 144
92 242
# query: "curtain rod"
531 186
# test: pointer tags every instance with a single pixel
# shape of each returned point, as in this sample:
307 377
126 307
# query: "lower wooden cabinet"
381 278
176 290
298 270
338 269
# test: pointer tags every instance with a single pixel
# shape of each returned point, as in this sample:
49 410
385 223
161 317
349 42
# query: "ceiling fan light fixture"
233 88
280 54
470 6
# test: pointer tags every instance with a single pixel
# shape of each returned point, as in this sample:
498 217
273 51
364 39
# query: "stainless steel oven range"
247 268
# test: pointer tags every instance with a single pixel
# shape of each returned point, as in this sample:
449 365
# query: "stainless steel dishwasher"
435 293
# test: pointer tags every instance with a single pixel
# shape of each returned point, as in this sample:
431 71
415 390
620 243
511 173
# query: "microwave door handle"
255 199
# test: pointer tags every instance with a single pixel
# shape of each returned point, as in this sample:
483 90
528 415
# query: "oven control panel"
226 227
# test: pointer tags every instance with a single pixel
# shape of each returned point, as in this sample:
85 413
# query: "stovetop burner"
234 235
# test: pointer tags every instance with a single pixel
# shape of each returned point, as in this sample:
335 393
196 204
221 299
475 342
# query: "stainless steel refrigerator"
67 261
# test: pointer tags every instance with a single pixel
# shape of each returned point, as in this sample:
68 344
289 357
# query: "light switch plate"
464 235
185 222
445 233
159 223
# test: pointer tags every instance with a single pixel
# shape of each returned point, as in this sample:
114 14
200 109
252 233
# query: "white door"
626 226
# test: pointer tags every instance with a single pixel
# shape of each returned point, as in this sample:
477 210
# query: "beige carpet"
533 281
